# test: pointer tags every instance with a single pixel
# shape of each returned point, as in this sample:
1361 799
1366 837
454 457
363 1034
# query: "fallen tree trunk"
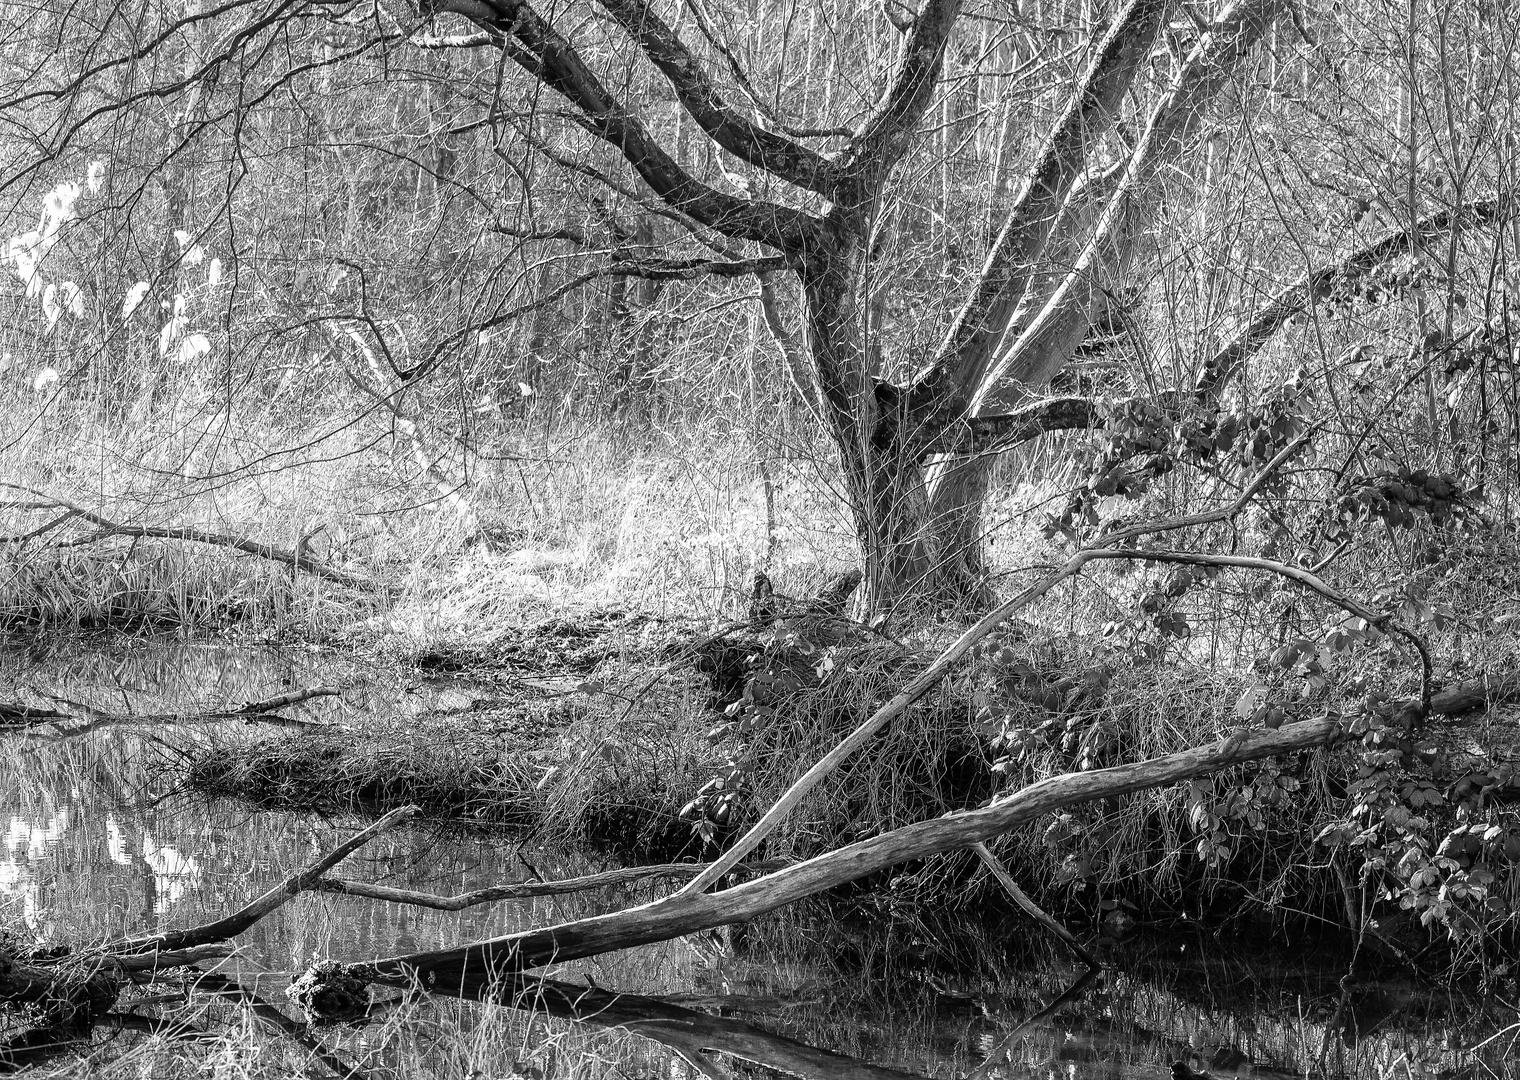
469 970
523 890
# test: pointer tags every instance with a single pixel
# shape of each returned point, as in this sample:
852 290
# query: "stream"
99 841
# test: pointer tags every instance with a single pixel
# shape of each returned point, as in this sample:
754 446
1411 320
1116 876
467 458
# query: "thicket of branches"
480 218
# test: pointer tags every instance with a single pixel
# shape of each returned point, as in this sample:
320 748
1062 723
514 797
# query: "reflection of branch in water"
221 986
37 1046
686 1031
92 719
242 919
23 716
999 1053
1033 910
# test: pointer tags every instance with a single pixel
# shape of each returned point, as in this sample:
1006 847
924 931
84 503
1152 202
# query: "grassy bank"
618 733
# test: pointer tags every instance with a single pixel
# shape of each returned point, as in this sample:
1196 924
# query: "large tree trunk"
884 478
1095 237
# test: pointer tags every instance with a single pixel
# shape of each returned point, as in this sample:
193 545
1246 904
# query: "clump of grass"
627 765
462 773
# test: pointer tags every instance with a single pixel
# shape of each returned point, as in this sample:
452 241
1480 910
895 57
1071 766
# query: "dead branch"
240 920
171 958
525 889
295 559
468 970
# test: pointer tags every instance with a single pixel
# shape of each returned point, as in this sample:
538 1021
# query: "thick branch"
885 137
544 53
1318 284
969 347
1043 346
767 150
517 890
1002 431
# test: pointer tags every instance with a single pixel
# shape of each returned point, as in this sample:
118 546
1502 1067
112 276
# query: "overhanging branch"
543 52
764 149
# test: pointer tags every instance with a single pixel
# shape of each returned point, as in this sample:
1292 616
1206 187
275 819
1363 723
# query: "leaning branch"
1026 359
301 881
970 345
1318 284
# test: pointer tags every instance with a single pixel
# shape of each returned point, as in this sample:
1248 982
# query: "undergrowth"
547 525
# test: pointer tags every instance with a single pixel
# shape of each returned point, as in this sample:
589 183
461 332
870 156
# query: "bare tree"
757 163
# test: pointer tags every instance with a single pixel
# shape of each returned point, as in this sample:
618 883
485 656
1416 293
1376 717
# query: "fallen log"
522 890
299 559
470 969
1475 694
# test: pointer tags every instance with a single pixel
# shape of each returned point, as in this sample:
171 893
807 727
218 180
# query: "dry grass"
665 523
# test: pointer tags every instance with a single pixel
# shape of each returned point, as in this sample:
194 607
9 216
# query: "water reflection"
97 843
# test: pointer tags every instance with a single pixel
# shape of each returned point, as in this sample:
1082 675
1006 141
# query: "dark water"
98 842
